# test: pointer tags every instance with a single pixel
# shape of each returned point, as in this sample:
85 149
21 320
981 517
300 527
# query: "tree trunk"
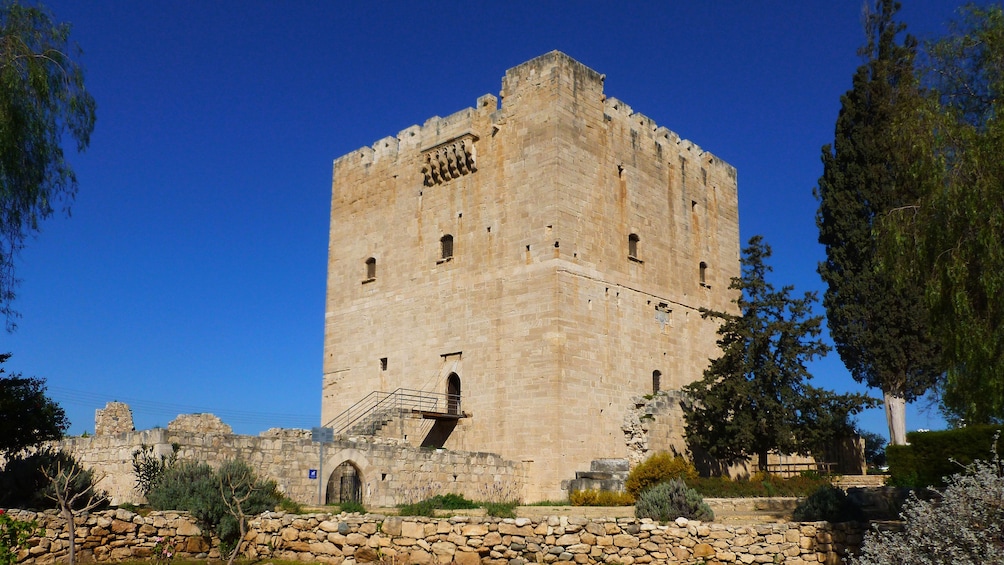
762 461
72 527
895 416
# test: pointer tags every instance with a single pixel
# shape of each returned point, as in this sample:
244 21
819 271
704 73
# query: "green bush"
429 506
290 506
14 536
23 484
500 509
200 490
183 486
672 500
350 506
932 456
829 504
658 468
453 502
148 467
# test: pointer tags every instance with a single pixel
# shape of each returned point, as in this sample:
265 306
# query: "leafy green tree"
950 235
42 99
755 398
29 416
881 331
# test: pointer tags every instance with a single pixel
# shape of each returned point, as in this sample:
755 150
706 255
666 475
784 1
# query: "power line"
152 407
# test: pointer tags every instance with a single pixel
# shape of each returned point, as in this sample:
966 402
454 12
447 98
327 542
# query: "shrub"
14 536
148 467
183 486
429 506
600 498
23 483
421 508
961 525
658 468
931 457
290 506
350 506
453 501
210 495
672 500
500 509
829 504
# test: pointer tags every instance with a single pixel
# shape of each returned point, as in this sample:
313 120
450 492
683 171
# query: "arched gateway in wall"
347 471
345 484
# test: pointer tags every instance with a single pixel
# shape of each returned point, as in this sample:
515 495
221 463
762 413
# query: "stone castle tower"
546 258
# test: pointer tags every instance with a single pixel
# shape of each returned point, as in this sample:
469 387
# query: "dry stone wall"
348 539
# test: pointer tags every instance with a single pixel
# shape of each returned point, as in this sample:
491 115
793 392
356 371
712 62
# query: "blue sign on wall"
312 474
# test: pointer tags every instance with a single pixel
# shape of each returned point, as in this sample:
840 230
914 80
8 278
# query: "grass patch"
550 503
350 507
500 509
429 506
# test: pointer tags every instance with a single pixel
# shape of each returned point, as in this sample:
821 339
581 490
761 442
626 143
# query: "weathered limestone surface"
199 424
114 418
390 471
583 240
350 538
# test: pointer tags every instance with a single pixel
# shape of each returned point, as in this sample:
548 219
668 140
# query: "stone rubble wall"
347 539
114 418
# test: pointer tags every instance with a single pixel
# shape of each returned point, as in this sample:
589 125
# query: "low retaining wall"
346 539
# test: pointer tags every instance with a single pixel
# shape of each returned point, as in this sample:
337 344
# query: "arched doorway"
345 484
453 394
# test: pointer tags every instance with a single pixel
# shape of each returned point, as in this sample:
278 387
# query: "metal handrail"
384 403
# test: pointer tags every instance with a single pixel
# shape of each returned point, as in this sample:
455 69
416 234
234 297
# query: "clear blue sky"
191 275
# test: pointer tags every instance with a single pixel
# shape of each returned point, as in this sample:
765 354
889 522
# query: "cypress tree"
880 326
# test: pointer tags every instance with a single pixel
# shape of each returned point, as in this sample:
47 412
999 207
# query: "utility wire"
151 407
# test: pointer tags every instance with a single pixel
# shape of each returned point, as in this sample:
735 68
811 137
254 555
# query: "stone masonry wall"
390 471
349 539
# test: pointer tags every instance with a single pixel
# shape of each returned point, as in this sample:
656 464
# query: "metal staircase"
376 409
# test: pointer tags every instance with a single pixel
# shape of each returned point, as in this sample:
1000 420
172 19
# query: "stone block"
365 555
474 530
392 526
328 526
703 550
625 540
466 558
419 557
413 530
